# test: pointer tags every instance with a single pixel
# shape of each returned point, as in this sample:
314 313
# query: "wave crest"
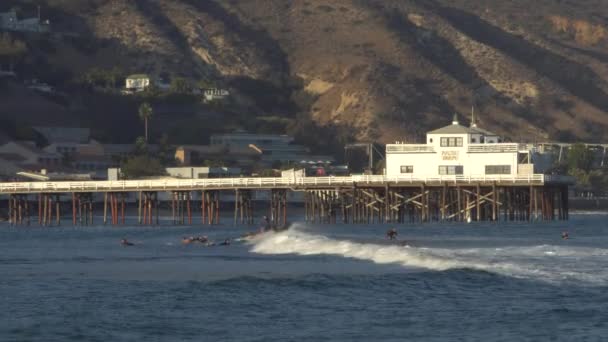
536 262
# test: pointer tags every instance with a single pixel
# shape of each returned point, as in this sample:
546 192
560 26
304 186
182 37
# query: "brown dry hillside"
385 69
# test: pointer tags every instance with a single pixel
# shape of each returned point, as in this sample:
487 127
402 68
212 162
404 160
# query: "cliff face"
387 69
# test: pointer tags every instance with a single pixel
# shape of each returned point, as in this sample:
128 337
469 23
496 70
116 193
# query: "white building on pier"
461 151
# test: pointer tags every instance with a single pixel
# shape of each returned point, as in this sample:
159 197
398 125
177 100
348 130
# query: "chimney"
455 120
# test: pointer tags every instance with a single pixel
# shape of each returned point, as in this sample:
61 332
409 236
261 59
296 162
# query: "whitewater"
546 262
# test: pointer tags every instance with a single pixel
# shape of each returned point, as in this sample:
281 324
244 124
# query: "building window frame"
498 169
451 141
407 168
451 170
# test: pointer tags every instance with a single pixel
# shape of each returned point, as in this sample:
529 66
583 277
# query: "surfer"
565 235
391 234
225 243
265 226
125 242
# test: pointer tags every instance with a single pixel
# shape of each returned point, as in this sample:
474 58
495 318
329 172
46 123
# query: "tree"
205 84
579 157
180 85
141 146
166 152
142 166
11 49
145 113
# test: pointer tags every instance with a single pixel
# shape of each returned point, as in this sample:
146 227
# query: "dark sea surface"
447 282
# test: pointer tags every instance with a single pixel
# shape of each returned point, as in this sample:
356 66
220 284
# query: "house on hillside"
137 82
246 150
10 22
272 148
197 154
457 150
26 155
58 134
215 94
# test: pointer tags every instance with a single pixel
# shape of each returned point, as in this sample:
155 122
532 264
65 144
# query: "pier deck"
352 199
269 183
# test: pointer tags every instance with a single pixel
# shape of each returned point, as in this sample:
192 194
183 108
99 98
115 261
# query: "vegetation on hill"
330 73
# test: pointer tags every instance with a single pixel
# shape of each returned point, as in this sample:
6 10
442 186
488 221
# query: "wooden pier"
353 199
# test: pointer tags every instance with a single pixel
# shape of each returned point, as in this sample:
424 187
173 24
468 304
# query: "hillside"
383 70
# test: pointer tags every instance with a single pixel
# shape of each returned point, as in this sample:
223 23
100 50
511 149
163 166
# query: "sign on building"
449 155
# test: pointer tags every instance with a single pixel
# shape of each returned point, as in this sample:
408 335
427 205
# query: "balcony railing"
493 148
409 148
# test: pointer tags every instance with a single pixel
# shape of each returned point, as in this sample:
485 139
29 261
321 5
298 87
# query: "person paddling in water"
391 234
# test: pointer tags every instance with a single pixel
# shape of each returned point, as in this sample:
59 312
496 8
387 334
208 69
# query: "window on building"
407 169
481 139
498 169
431 140
451 169
473 140
451 142
523 158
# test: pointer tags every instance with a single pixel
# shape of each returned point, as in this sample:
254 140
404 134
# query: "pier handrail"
264 183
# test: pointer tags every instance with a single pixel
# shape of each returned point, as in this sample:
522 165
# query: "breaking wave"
544 262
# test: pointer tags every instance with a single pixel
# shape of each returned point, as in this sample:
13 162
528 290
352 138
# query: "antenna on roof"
473 123
455 119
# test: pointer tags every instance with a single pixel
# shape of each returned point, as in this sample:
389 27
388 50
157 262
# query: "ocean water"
439 282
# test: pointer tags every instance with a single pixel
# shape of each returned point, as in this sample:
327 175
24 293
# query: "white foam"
538 262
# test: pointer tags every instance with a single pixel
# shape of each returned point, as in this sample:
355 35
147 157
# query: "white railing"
262 183
409 148
492 148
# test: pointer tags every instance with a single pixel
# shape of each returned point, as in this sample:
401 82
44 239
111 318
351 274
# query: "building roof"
136 76
13 157
64 134
29 147
454 129
484 132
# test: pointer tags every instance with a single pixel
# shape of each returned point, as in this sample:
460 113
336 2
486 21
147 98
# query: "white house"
215 94
459 150
137 82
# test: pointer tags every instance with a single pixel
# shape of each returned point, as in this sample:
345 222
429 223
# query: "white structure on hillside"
137 82
215 94
10 22
459 150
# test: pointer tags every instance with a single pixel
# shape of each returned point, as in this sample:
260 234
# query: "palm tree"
145 113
